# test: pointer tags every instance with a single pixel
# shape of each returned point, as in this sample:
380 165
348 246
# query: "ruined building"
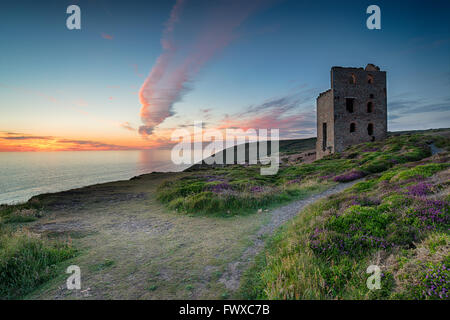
354 110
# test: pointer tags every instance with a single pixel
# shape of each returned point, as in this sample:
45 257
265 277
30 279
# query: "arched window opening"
371 96
370 107
352 127
352 79
370 129
370 79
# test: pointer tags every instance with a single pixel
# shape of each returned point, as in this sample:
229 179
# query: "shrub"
349 176
26 261
355 233
324 252
422 171
435 282
364 185
397 201
220 187
377 166
430 214
421 189
24 212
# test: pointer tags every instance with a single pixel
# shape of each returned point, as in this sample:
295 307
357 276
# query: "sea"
25 174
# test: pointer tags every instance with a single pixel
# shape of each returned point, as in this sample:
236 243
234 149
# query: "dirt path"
434 149
132 247
231 278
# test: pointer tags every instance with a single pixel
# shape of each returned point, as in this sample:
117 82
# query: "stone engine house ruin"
353 111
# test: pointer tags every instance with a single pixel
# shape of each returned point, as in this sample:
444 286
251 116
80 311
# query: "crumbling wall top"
323 93
372 67
369 67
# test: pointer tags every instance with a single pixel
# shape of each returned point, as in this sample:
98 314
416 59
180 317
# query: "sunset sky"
137 70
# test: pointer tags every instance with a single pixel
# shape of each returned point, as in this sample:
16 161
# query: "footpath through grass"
398 219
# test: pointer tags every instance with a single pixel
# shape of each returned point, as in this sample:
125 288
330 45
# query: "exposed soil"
434 149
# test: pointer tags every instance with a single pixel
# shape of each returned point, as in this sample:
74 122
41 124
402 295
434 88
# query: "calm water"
25 174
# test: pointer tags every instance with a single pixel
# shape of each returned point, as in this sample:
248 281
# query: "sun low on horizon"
135 72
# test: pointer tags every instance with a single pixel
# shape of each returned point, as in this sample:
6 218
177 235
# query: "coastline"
131 243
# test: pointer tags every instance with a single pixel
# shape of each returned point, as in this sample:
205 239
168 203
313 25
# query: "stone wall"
325 114
363 86
362 92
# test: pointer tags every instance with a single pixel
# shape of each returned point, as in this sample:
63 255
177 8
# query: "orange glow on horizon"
17 142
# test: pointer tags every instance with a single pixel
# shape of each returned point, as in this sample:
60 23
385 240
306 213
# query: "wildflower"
219 188
349 176
419 190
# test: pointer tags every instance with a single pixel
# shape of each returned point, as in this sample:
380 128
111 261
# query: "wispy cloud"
171 77
413 106
90 145
293 115
128 126
25 138
418 113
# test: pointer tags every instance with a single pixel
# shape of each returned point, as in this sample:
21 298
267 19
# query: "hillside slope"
397 220
239 189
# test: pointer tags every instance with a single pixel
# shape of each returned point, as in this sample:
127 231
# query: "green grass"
152 288
23 212
27 261
238 189
243 202
102 265
423 171
398 219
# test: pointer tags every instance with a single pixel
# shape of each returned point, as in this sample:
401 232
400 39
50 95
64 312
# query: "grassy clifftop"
237 189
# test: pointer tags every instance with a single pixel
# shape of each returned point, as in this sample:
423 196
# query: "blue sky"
84 84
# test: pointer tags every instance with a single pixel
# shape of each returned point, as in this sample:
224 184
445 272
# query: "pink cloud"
272 120
107 36
285 114
128 126
171 77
